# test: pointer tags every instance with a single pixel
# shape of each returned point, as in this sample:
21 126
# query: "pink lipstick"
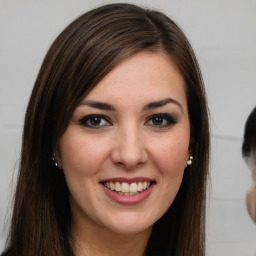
128 191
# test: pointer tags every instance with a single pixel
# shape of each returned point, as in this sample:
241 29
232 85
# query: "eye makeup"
161 120
95 121
158 120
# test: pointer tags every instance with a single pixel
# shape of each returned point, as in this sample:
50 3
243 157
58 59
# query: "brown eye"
158 121
95 121
161 120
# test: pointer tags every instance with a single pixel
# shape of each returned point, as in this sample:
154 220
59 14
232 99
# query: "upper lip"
127 180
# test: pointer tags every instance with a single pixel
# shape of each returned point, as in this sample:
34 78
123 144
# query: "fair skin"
251 193
251 202
124 154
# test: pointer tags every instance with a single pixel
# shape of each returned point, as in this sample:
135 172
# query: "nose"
129 149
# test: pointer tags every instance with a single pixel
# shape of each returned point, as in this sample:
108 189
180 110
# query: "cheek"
170 156
81 156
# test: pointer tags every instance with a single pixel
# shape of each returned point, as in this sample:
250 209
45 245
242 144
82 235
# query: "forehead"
143 76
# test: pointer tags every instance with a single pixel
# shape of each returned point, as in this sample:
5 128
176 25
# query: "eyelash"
164 117
169 119
85 121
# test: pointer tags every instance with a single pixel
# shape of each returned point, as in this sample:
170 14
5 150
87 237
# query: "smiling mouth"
126 189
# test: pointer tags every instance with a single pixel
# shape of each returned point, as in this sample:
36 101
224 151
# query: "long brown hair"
78 59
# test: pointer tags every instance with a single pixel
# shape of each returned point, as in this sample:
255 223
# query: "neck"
90 240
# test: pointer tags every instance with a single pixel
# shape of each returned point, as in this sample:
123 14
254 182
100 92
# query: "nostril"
129 157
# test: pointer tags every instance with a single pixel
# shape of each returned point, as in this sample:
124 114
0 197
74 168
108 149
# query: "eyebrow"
151 105
161 103
99 105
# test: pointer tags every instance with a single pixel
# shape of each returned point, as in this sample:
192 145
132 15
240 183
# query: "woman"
249 154
117 113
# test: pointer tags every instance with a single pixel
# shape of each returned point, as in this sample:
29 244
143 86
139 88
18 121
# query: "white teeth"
125 188
133 187
140 186
118 187
112 185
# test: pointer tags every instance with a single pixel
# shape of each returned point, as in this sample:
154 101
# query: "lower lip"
128 200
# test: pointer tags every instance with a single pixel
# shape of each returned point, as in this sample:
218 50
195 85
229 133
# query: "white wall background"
223 34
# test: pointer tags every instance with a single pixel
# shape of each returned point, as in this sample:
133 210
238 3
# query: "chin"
131 225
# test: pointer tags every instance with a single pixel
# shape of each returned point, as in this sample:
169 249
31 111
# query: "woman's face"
125 149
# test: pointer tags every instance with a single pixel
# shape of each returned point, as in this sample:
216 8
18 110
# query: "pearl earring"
190 160
54 161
